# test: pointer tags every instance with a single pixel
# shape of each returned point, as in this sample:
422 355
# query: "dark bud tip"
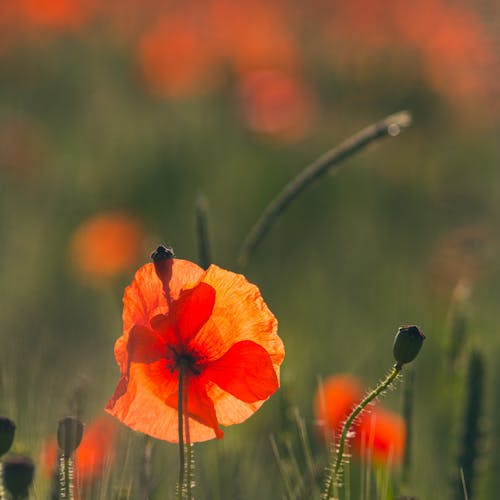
407 344
18 475
7 431
69 435
162 253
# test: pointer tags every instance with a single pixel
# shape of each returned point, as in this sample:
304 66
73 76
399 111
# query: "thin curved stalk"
389 126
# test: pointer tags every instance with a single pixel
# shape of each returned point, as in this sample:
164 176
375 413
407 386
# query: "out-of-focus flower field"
118 117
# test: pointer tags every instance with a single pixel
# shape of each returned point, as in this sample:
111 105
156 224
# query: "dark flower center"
187 360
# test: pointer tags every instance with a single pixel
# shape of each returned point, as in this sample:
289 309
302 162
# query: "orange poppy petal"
239 313
229 409
245 371
142 409
145 346
139 400
146 296
192 310
199 406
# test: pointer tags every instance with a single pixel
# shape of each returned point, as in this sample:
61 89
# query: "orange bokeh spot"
176 57
335 399
381 434
276 103
106 245
55 14
96 451
215 325
254 34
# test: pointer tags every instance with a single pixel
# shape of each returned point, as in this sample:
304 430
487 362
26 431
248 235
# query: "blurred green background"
137 108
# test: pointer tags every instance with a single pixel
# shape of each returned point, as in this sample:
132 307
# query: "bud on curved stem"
406 346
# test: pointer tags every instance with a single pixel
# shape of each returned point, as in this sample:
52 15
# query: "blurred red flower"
276 103
215 324
106 245
96 451
382 435
449 39
376 432
177 58
254 34
335 399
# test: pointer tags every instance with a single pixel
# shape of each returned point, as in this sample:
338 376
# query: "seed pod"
162 253
69 434
7 431
18 472
407 344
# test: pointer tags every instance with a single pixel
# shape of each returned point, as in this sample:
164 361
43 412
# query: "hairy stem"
334 476
180 425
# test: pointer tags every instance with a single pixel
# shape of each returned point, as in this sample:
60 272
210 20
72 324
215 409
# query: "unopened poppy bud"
162 253
69 434
18 475
7 431
407 344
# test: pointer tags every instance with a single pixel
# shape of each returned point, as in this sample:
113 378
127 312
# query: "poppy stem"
180 425
389 126
333 478
188 445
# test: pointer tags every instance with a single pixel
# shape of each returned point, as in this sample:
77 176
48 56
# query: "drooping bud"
407 344
7 431
18 472
162 253
69 435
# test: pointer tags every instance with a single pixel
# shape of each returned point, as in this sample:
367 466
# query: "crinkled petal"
200 407
145 346
245 371
239 314
192 310
139 405
150 293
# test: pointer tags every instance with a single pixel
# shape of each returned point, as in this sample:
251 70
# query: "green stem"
204 252
389 126
188 446
2 492
333 478
180 425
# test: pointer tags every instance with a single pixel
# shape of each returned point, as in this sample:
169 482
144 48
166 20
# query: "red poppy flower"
336 398
216 325
383 434
95 451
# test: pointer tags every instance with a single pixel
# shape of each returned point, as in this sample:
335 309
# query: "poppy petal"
145 346
245 371
192 310
163 326
199 406
150 292
239 313
146 297
229 409
139 406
